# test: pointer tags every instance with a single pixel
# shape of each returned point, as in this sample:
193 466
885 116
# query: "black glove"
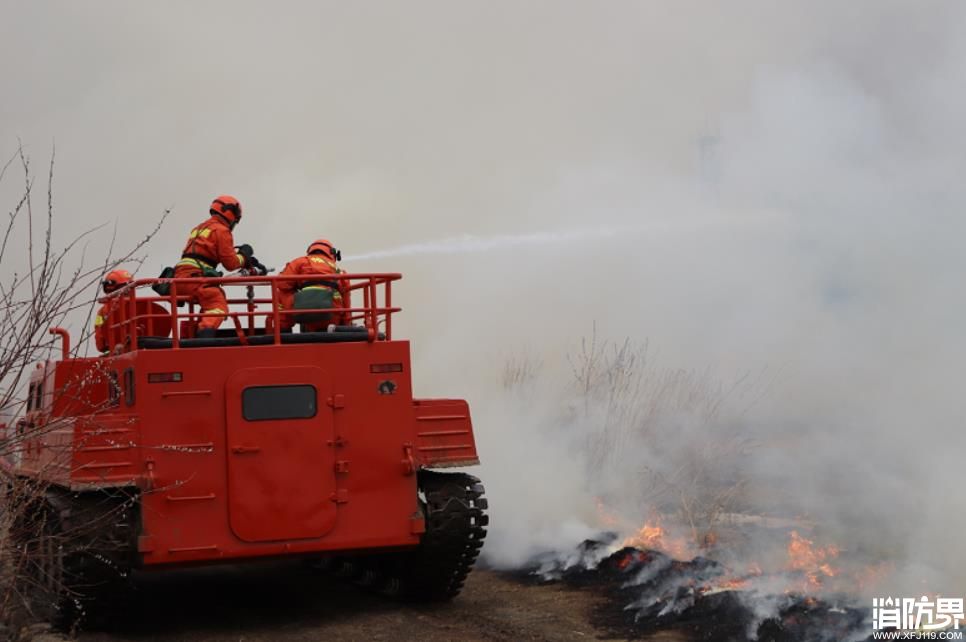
256 266
245 250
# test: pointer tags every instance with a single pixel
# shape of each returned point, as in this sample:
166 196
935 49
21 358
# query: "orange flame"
648 537
604 514
813 562
635 556
653 536
734 583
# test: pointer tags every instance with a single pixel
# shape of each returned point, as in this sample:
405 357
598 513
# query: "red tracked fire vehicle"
174 451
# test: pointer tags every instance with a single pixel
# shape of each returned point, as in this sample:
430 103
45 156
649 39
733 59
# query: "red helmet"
115 280
324 246
228 208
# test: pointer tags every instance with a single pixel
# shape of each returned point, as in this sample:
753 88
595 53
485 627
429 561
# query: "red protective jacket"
209 244
315 268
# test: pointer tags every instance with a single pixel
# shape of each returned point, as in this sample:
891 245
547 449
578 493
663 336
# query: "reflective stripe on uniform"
200 262
335 293
195 264
319 259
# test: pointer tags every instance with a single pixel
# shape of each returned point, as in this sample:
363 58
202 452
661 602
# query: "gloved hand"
256 267
245 250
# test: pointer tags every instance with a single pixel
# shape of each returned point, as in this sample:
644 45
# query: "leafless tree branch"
47 286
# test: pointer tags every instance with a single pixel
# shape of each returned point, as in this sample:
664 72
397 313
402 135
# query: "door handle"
245 450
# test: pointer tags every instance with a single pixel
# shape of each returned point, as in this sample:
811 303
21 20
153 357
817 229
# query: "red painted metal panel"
444 433
281 473
106 450
214 486
188 510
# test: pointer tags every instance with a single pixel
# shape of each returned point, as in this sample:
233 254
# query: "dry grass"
655 441
520 372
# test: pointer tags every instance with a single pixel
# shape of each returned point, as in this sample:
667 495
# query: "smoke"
750 188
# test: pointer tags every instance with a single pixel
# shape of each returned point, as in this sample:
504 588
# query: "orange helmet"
324 246
228 208
115 280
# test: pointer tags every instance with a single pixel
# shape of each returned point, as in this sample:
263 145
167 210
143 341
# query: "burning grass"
720 554
654 536
814 563
649 590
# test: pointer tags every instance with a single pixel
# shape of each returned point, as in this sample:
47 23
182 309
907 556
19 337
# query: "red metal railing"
136 311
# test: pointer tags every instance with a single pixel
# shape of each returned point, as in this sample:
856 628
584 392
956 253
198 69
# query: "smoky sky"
763 185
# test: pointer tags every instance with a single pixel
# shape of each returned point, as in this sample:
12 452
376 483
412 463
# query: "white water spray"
470 243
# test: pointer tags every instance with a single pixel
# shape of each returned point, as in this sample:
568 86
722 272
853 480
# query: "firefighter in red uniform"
113 281
209 244
314 291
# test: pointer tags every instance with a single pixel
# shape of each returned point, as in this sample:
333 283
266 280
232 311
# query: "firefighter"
210 244
112 282
314 291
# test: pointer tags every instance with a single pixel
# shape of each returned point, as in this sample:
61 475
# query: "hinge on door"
408 462
340 496
147 482
336 401
342 466
338 442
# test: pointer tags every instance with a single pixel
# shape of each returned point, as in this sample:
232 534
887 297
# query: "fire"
633 556
607 518
813 562
648 537
653 536
733 584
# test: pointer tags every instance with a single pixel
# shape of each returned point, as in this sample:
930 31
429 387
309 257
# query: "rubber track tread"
455 529
96 533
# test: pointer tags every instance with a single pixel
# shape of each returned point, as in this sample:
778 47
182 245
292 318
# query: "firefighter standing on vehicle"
113 281
210 244
315 291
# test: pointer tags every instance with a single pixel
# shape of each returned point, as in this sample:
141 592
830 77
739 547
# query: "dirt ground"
285 602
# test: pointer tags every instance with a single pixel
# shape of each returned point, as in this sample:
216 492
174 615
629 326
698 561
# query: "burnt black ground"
726 616
286 602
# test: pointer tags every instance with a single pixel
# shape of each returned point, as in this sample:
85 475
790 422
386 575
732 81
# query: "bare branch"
47 286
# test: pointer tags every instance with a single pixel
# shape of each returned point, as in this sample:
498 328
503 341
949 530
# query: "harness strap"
197 260
318 285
